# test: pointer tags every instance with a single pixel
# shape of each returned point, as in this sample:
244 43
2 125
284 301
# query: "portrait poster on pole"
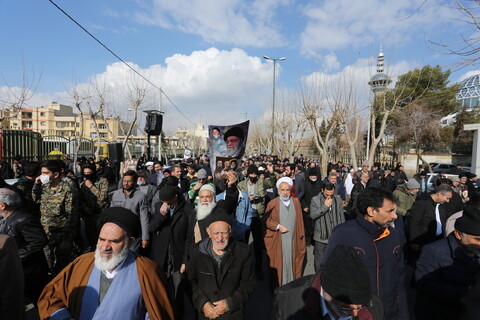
130 164
227 142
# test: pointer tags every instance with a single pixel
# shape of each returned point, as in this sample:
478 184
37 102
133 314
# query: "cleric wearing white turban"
285 235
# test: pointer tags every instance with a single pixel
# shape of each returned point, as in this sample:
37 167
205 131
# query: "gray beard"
103 265
204 211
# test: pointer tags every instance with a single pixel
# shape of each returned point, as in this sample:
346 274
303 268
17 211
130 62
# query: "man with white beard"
207 205
285 235
86 289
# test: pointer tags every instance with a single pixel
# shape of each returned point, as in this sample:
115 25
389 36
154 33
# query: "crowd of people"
82 243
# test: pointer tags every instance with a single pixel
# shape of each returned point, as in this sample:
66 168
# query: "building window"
102 126
103 135
42 132
42 114
43 123
26 115
27 124
93 134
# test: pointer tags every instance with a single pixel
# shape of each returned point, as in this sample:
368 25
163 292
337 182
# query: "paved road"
259 305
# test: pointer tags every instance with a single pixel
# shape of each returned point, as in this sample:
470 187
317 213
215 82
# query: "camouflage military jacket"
58 208
95 198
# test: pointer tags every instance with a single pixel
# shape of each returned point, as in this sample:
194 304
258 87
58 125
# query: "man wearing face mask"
58 213
313 186
94 198
448 272
256 188
145 187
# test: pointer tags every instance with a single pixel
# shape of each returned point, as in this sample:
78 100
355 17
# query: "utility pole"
246 115
273 99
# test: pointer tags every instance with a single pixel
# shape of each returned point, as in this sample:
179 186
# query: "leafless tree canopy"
467 47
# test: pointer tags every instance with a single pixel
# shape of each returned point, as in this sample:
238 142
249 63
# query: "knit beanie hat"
208 187
252 169
412 183
219 214
312 172
469 222
345 277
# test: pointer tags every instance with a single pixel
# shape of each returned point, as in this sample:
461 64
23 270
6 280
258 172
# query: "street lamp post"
273 100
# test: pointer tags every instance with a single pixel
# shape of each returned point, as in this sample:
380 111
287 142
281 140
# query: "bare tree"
96 107
420 127
322 119
467 48
344 100
291 126
12 99
136 96
78 97
259 136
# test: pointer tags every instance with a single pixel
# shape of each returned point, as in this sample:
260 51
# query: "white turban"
284 179
208 187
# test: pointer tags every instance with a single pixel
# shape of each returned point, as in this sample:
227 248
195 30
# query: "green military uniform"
93 200
193 194
60 219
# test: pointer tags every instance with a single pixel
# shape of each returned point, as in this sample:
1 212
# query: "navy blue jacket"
383 257
446 280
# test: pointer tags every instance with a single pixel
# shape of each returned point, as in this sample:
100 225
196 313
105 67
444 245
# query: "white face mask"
313 179
216 136
45 179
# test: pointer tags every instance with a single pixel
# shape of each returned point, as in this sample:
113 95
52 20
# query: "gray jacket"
325 218
136 201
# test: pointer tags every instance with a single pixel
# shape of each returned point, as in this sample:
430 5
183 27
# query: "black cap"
471 175
124 218
167 193
235 131
312 172
219 214
345 277
252 169
469 222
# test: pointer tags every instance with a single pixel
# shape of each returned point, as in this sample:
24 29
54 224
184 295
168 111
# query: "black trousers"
257 229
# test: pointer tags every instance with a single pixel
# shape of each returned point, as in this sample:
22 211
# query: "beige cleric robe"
273 241
67 288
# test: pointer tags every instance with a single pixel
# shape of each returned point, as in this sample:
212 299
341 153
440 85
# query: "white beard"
204 210
102 264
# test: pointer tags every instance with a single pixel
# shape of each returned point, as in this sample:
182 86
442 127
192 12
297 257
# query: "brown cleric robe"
67 288
273 241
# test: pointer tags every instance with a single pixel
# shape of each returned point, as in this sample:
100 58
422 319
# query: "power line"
123 61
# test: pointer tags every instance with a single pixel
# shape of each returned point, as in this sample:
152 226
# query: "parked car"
443 167
173 161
